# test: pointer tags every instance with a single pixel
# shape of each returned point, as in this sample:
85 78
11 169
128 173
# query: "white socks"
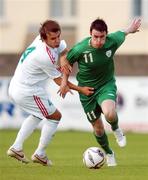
48 129
26 130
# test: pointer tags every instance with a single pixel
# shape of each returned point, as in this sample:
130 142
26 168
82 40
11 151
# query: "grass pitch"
66 151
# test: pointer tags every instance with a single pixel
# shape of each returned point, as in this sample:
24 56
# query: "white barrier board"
132 106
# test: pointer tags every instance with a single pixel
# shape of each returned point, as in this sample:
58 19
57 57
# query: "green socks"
103 141
114 124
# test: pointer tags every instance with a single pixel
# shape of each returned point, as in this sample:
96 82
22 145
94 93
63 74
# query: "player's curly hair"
48 26
99 25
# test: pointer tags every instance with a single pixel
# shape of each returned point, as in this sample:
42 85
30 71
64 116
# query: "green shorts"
92 104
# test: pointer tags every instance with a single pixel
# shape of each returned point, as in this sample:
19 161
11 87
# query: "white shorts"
33 100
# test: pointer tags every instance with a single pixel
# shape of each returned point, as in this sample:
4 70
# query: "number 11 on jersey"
88 57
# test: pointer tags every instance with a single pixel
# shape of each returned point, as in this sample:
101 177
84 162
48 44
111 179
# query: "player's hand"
63 91
134 26
87 90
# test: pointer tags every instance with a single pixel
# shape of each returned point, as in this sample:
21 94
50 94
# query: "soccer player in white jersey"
38 63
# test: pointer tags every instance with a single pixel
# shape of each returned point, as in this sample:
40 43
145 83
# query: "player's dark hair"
99 25
48 26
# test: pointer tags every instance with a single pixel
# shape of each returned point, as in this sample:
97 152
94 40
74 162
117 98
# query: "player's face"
53 39
98 38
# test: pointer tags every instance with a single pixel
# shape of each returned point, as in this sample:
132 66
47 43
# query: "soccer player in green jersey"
94 56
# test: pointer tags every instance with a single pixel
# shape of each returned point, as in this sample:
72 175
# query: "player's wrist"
79 89
126 31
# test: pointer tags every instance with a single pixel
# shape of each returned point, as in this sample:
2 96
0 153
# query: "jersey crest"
108 53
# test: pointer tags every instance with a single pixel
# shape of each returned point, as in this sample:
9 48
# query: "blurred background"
19 24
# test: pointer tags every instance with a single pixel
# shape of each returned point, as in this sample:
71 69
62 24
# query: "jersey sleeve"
62 46
118 37
52 72
73 55
47 66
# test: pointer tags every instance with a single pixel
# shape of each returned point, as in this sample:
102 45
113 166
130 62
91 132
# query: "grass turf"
66 151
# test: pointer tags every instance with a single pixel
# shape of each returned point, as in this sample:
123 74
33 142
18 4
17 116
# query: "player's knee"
110 115
55 116
59 116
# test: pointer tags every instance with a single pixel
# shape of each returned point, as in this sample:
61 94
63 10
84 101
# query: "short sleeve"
62 46
118 37
46 65
73 55
52 72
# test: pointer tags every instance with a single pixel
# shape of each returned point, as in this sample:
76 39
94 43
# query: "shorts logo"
110 94
108 53
49 102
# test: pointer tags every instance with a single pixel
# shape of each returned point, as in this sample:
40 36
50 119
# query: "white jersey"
38 63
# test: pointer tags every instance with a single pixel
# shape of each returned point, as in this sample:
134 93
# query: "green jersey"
96 66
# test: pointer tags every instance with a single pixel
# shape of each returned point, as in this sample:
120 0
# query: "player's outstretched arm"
84 90
133 27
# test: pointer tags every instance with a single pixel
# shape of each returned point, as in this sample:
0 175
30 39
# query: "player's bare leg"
109 111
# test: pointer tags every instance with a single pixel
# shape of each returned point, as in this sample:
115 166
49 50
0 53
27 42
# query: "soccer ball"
94 158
